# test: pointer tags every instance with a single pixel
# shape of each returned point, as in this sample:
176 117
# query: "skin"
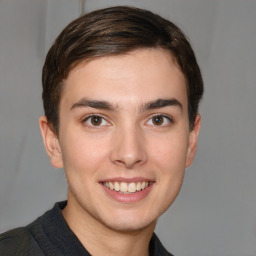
133 139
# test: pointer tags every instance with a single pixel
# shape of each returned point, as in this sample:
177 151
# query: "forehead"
141 75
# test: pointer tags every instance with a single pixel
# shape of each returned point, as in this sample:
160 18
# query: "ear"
193 137
51 143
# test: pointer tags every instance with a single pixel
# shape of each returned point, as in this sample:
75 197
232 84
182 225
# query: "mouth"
127 188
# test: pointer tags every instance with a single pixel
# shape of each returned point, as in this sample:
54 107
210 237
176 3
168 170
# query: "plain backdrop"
215 213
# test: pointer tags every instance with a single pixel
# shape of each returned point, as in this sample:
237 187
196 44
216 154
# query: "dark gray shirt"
49 235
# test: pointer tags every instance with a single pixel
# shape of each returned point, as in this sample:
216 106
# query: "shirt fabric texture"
49 235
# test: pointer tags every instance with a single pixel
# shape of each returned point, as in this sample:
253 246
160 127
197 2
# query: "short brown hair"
114 31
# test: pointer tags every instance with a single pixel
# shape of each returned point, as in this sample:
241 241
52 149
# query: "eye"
159 120
95 120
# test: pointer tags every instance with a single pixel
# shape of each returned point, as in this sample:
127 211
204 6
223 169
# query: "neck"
98 239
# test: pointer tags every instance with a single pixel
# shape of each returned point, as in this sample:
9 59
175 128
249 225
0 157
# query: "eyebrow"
98 104
161 103
105 105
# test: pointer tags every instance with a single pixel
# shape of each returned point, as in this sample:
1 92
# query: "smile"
126 188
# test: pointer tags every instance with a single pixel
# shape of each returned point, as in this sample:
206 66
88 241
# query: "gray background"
215 213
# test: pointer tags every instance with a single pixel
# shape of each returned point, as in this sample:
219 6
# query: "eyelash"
87 118
167 118
162 120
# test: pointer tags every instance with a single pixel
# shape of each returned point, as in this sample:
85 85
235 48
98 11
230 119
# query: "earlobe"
51 143
193 137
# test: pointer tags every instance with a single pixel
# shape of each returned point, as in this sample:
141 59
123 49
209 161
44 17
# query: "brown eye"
96 120
158 120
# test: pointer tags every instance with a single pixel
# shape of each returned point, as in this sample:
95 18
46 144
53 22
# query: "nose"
129 149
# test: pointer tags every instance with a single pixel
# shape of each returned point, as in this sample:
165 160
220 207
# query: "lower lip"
128 198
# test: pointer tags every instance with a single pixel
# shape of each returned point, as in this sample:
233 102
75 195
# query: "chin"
126 226
129 222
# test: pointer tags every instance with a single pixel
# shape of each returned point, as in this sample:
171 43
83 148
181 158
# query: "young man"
121 88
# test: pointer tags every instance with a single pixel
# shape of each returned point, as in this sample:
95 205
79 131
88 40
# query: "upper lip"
127 180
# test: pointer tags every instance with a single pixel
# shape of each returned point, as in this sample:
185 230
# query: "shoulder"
18 242
35 238
13 240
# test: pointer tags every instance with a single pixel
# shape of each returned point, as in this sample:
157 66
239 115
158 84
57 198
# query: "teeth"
111 186
126 188
132 187
116 186
144 184
123 187
139 186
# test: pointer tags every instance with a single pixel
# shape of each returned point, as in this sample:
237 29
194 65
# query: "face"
124 138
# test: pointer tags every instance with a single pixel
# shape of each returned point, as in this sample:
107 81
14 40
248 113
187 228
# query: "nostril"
129 163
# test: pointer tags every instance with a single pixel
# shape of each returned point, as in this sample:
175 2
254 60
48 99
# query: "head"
121 88
112 32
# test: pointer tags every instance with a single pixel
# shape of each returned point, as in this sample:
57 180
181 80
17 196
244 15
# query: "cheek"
83 153
169 151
